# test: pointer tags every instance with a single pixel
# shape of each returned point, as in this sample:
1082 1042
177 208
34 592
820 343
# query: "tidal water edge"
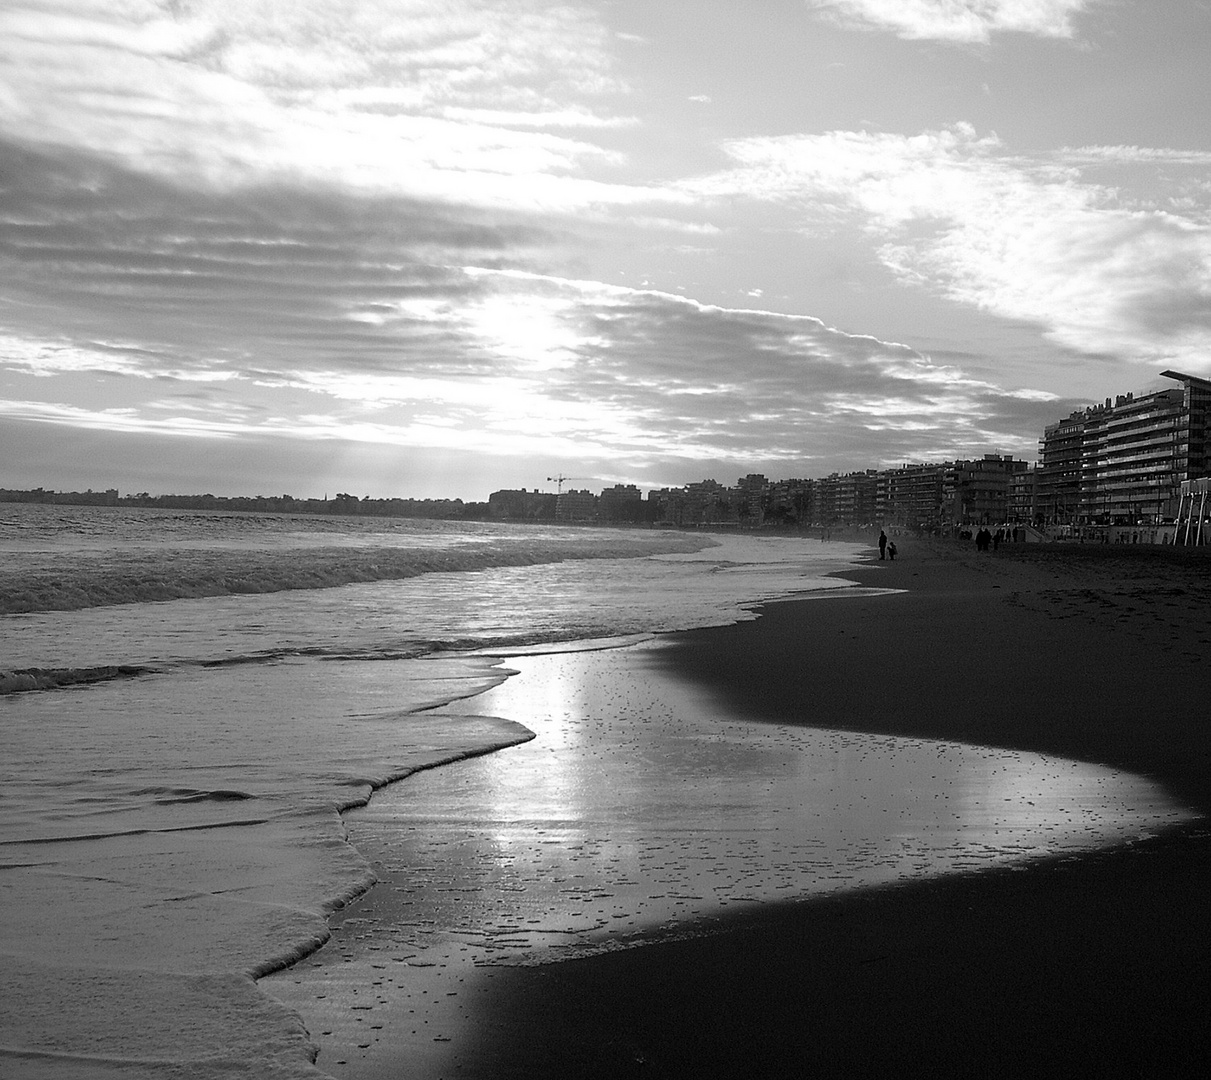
171 835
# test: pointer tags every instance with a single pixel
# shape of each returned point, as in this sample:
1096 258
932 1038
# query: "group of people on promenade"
985 539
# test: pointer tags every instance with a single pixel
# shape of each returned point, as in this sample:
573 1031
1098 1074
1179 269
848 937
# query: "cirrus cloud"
473 101
966 21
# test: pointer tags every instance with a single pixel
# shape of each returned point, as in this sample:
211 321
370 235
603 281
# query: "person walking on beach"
882 544
891 551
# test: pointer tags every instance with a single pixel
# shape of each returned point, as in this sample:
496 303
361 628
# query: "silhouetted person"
891 551
882 544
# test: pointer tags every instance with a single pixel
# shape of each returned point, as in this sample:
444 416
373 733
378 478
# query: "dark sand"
1098 965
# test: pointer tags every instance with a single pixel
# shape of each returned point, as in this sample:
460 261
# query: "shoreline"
1000 972
1089 965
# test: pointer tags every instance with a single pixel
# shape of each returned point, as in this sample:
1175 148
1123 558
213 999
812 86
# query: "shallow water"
642 810
167 837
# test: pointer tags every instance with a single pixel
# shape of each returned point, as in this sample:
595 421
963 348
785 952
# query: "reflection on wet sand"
640 810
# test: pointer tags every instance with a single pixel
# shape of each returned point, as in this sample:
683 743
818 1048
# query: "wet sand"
1096 965
1093 964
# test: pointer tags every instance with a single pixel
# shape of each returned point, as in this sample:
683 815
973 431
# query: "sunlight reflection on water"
641 810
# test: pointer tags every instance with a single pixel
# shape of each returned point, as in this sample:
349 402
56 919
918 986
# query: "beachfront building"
1129 459
1023 507
1058 490
575 505
846 498
521 505
1194 438
826 499
705 502
976 492
622 502
749 496
791 501
910 496
1123 462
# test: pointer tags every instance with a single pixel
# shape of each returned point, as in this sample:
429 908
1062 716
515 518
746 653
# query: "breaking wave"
75 580
35 678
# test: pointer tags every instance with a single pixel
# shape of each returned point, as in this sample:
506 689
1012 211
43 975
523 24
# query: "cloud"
1134 155
315 222
468 101
698 380
965 21
958 214
276 313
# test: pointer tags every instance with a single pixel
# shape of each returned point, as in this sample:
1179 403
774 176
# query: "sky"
436 248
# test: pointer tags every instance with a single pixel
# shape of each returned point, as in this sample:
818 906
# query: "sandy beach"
1089 964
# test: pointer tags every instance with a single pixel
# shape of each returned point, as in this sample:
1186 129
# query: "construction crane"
560 480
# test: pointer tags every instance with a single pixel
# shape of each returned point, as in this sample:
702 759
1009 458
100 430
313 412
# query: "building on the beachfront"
704 502
846 498
910 496
826 499
574 505
707 502
1194 437
856 497
1023 505
521 505
1058 491
976 491
751 492
1130 466
791 501
1123 462
621 503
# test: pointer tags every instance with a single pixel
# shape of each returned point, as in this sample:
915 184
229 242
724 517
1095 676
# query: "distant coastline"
275 504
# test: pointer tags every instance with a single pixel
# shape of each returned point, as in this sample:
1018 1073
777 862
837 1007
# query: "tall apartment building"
521 505
622 502
855 496
576 506
826 499
1194 438
750 497
910 495
1123 462
1129 458
976 492
705 502
1059 480
1023 504
792 500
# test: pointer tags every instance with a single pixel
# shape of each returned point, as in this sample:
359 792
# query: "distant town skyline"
442 249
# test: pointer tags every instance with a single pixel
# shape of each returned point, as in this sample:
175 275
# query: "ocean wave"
168 796
112 834
24 680
35 678
71 581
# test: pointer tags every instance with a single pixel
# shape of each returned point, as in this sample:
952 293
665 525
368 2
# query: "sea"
193 705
